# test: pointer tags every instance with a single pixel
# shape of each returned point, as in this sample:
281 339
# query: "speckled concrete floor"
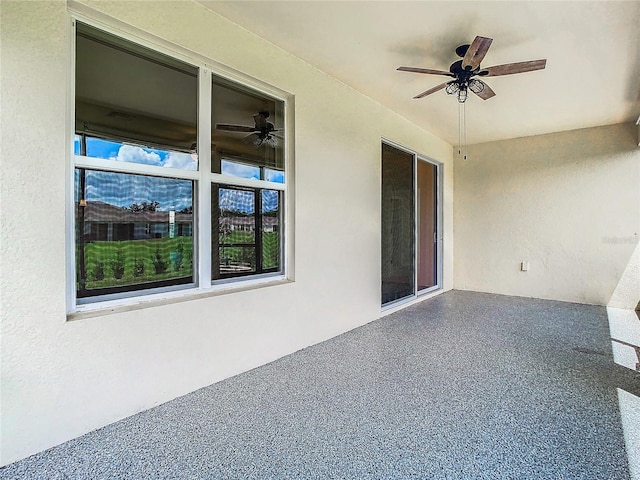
462 386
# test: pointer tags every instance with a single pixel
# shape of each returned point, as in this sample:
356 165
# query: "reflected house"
237 223
106 222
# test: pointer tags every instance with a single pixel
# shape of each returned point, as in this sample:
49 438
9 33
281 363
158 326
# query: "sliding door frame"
438 223
417 157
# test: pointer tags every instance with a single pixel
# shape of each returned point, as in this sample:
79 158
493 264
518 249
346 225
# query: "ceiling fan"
262 133
464 71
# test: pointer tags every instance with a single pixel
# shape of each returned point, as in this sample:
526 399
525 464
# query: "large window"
249 154
179 173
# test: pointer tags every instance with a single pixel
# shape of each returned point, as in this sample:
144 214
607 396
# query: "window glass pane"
276 176
77 145
397 224
133 232
270 229
134 104
124 152
427 200
247 126
237 169
236 232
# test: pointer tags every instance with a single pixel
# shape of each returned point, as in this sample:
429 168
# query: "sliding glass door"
410 218
398 269
427 221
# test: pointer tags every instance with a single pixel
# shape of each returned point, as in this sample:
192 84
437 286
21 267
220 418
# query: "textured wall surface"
568 203
63 378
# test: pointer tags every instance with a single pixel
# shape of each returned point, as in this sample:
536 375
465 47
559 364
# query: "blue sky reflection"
122 152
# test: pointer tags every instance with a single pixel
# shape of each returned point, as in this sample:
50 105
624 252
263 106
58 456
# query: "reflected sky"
122 152
243 170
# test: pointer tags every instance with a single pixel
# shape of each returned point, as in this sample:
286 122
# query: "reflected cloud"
180 160
124 152
241 170
132 154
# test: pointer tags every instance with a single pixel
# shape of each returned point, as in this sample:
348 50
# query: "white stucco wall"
568 203
63 378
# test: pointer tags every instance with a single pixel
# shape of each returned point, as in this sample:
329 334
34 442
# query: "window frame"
258 240
202 178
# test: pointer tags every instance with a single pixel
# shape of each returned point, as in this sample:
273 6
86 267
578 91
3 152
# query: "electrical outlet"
524 266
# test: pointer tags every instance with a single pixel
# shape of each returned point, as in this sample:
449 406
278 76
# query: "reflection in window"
136 120
248 239
237 169
134 104
276 176
244 170
77 145
131 153
133 232
270 219
247 126
237 231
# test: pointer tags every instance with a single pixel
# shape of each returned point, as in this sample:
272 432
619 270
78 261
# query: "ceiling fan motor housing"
461 51
461 74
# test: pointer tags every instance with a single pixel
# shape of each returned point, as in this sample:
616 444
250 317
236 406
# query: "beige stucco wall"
568 203
63 378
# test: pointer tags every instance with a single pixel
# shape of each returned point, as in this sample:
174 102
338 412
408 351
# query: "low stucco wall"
63 378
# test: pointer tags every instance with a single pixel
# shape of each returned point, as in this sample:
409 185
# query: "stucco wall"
568 203
63 378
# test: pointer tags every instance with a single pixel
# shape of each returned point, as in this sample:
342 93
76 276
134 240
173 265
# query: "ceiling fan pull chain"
460 128
464 129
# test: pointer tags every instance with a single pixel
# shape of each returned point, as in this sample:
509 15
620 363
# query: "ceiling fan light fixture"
271 141
476 86
462 94
452 88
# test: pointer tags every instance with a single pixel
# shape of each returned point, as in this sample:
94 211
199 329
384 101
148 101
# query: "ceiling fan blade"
425 70
476 52
431 90
234 128
486 92
251 138
511 68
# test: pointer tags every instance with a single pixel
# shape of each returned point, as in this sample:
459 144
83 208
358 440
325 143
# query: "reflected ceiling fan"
464 71
262 133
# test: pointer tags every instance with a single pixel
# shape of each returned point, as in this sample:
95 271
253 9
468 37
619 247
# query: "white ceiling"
592 51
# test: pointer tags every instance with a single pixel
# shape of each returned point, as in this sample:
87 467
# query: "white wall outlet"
524 266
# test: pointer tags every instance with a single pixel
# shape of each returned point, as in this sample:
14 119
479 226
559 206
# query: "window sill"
101 309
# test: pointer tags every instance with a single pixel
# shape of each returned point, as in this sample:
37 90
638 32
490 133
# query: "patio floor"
461 386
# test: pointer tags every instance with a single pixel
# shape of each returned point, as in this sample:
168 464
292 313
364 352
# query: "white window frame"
202 178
